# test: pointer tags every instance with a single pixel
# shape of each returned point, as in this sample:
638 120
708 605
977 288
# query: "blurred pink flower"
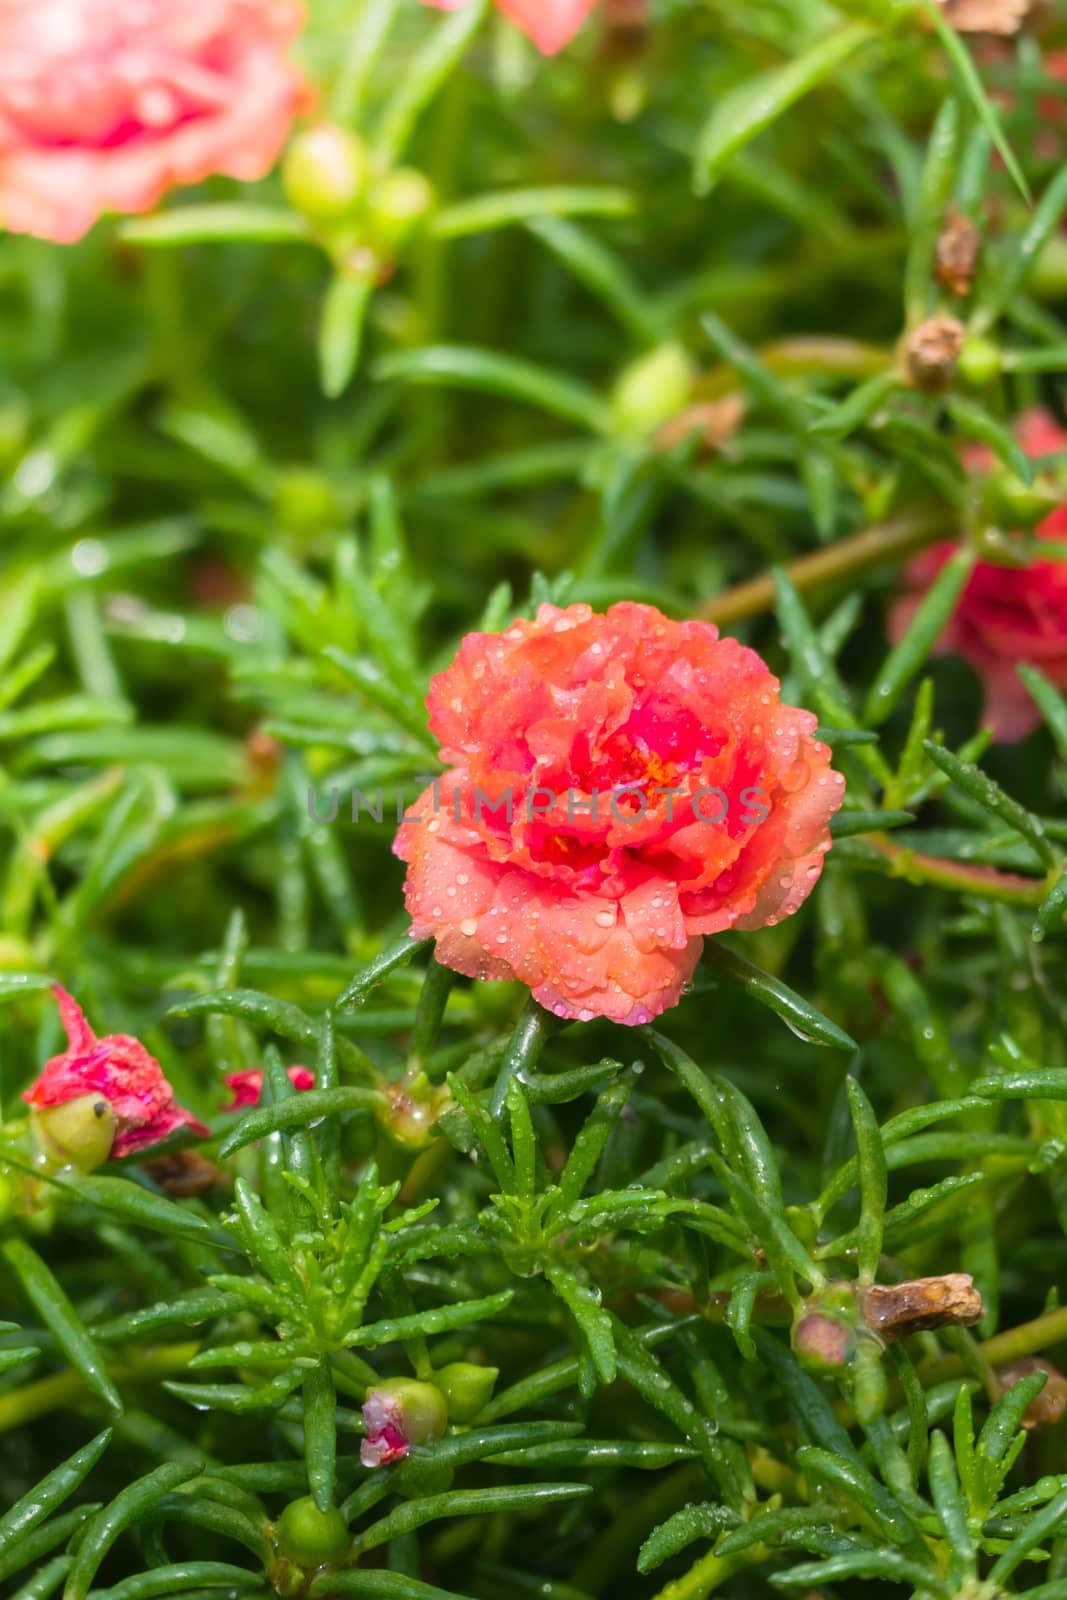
549 23
247 1086
1005 615
106 104
120 1070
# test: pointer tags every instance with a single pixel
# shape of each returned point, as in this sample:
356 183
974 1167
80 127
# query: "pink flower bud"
397 1413
823 1343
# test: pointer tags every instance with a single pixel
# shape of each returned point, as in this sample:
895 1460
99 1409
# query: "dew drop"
469 926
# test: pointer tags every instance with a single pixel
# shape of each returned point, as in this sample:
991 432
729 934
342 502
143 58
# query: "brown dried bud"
626 28
263 752
184 1174
1005 17
714 421
957 253
951 1301
1045 1408
931 353
626 13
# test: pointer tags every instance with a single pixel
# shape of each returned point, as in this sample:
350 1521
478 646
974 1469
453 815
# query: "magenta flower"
247 1086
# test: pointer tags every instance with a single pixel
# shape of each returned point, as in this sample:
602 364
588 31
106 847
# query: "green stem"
703 1577
943 873
433 998
1025 1340
791 358
66 1389
524 1049
885 541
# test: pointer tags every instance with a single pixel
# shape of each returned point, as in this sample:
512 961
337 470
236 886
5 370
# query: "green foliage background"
237 540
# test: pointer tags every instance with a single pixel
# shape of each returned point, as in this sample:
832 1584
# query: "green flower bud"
397 205
410 1110
980 361
466 1388
311 1537
652 389
79 1133
1010 503
824 1334
325 172
822 1343
15 954
1048 275
305 502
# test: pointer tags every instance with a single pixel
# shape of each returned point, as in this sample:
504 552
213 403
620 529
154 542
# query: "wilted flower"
549 23
620 785
106 104
247 1086
1005 615
113 1081
397 1413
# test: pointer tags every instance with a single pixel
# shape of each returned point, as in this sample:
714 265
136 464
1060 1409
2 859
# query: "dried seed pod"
957 253
932 352
951 1301
1045 1408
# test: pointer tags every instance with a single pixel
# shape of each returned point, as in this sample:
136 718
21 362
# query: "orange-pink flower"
106 104
658 791
119 1069
549 23
247 1086
1005 615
